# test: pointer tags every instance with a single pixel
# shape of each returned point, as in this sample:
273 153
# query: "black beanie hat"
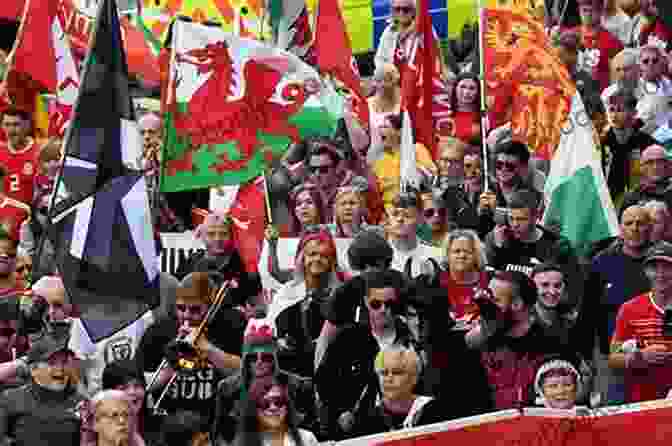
369 248
119 373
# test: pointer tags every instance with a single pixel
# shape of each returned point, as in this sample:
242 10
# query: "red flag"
249 216
11 9
32 62
424 92
334 54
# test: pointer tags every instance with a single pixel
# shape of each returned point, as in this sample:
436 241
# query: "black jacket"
619 173
32 416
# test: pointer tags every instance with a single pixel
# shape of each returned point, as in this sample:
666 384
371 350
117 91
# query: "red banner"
638 424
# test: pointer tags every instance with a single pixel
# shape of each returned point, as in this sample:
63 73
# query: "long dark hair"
248 429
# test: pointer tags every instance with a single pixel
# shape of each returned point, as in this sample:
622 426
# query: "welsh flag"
233 105
576 194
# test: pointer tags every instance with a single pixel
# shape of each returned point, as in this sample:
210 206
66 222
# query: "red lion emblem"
212 119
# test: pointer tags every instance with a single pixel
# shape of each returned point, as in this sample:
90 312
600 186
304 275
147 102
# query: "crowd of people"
446 302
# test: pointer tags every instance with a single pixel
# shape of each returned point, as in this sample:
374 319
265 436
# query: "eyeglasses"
650 61
403 9
430 212
391 372
508 165
121 417
279 401
376 304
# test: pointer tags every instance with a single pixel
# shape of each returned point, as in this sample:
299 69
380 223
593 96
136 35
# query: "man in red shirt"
642 342
599 45
18 155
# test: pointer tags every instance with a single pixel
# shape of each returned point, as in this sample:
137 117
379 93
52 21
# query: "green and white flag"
576 193
235 104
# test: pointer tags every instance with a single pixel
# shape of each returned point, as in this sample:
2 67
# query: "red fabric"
33 66
334 54
11 9
11 217
467 126
640 320
21 170
141 60
657 30
249 216
609 46
461 297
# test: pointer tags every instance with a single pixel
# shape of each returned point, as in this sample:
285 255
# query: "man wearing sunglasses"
652 67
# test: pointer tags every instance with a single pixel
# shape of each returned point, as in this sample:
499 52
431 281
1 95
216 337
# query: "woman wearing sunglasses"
269 417
436 221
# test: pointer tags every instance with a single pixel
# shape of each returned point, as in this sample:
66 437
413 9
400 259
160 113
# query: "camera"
501 216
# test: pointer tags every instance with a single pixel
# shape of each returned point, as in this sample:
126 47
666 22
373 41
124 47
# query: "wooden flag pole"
267 199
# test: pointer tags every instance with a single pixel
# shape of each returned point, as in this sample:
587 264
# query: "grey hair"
108 394
404 352
656 205
470 235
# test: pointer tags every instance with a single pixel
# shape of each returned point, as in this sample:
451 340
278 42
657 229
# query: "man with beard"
512 343
214 354
111 416
43 412
654 180
642 342
18 155
615 275
296 309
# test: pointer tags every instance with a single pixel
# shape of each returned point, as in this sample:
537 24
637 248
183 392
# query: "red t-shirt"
12 214
640 319
21 170
461 297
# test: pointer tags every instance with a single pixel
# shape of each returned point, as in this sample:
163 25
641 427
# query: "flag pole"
267 200
484 103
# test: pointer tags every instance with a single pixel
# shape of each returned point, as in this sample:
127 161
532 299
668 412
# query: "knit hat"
561 367
369 248
119 373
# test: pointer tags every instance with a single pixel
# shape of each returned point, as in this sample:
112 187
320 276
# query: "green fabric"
311 121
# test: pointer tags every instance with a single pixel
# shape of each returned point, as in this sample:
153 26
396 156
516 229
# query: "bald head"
635 228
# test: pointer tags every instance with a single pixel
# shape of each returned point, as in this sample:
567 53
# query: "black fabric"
33 416
660 192
192 391
619 174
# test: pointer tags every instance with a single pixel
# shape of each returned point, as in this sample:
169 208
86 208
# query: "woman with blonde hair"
464 272
385 101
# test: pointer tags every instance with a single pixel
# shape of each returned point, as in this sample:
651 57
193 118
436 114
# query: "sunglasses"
376 304
7 332
279 402
648 61
24 268
403 9
508 165
429 213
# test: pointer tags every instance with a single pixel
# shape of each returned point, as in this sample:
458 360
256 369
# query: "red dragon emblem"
213 118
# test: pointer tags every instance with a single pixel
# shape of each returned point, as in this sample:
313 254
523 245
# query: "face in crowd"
522 222
652 64
218 239
434 214
466 92
560 390
272 408
402 222
403 13
551 288
306 209
380 303
472 172
17 129
350 207
398 374
323 169
635 227
56 372
451 160
462 255
7 258
508 169
318 258
112 421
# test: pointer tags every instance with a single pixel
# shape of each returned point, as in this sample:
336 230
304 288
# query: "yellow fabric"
387 170
41 118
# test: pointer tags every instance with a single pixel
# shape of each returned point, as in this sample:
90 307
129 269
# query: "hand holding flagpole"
484 104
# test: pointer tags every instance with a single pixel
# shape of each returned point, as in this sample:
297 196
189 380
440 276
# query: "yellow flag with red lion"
524 75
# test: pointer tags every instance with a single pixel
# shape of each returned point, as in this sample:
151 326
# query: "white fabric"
121 345
307 438
419 255
139 221
619 25
414 412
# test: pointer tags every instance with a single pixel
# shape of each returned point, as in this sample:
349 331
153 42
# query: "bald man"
616 275
654 182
